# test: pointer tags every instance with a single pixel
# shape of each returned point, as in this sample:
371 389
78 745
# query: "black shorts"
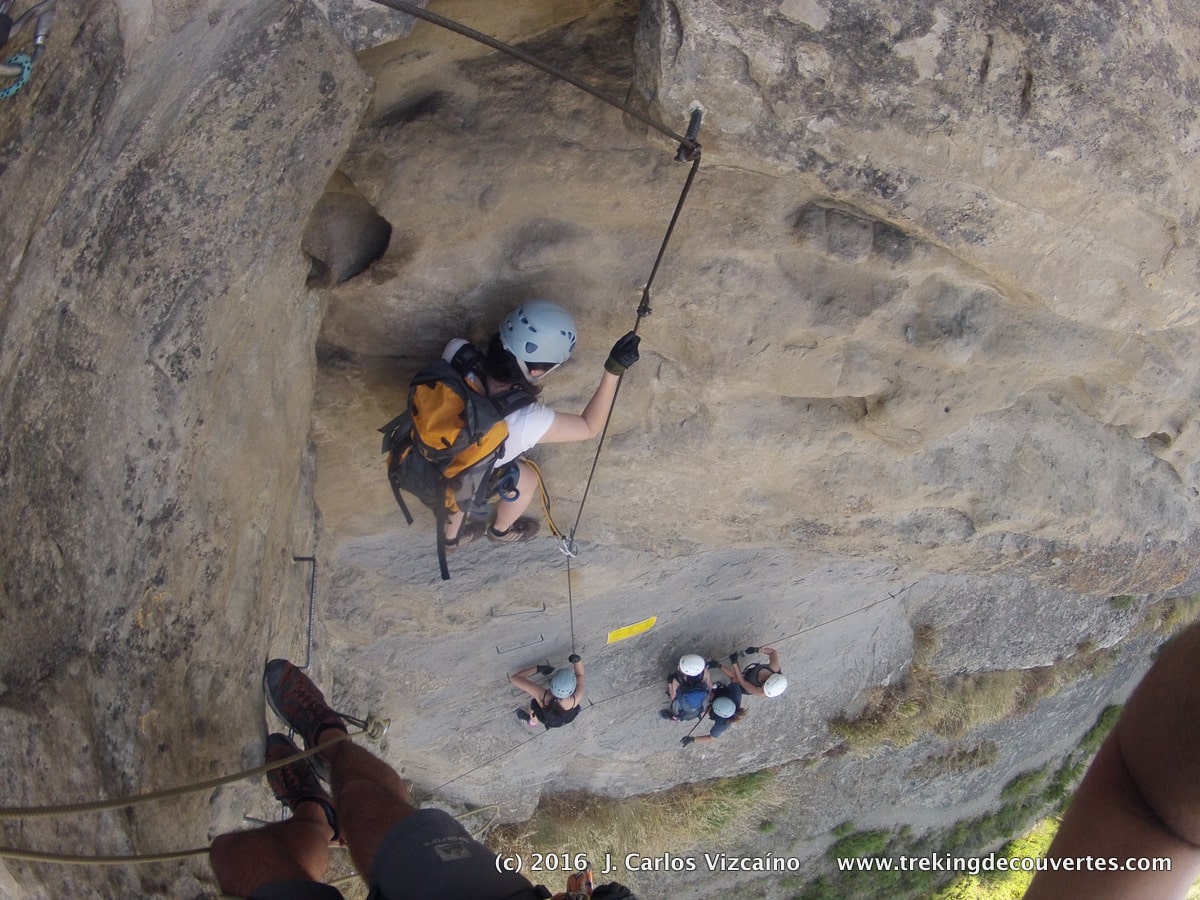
427 856
297 890
430 856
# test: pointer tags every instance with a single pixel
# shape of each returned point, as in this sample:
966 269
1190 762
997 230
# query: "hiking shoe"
467 532
520 530
297 782
301 704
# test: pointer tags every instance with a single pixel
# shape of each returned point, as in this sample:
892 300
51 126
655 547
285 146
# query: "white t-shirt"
526 426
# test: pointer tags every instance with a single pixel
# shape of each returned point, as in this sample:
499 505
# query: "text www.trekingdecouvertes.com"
973 865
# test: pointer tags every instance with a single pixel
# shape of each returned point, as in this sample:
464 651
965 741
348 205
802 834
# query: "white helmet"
562 683
538 333
724 708
692 665
775 685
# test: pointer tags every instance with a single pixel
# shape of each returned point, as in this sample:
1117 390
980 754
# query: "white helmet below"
775 685
692 665
724 708
562 683
540 334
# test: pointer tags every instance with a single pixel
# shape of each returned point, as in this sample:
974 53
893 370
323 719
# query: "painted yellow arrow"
629 631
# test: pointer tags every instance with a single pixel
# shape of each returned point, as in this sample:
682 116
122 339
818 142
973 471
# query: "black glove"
623 354
545 669
574 658
751 649
686 739
733 657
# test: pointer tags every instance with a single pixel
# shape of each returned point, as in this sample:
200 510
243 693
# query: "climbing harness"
20 66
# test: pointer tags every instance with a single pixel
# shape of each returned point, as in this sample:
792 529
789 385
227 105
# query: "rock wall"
156 374
922 352
875 359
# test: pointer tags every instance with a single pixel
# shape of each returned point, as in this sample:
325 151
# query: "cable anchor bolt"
689 151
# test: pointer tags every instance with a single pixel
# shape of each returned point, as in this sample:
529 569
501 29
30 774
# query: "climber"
534 340
497 382
725 709
402 853
689 687
759 679
557 705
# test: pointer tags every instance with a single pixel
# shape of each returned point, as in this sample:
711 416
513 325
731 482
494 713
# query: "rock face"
365 23
923 352
885 350
156 376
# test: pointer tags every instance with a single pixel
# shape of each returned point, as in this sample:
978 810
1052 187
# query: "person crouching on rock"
558 704
689 688
758 679
725 710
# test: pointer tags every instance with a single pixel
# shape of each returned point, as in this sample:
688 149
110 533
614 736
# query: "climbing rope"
35 812
844 615
458 28
488 762
689 151
370 727
644 309
28 812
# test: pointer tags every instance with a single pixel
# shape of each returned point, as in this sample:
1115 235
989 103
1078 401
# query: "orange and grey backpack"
443 448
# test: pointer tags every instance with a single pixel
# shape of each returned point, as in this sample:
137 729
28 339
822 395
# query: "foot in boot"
520 530
297 782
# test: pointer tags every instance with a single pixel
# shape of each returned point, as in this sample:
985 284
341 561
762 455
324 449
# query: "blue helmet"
562 683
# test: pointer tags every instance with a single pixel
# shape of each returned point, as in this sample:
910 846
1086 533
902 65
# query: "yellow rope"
545 497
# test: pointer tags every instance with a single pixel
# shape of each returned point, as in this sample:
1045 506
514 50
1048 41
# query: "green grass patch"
718 810
860 843
922 703
1024 784
1031 801
1004 885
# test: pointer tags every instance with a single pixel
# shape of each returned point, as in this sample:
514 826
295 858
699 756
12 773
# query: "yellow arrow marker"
628 631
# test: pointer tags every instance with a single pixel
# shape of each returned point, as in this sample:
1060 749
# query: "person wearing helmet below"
759 679
533 340
724 710
688 687
556 705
